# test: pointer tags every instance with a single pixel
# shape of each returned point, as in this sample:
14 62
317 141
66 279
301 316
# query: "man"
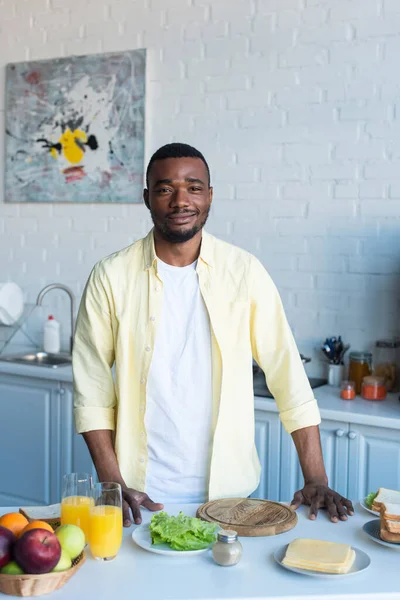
181 314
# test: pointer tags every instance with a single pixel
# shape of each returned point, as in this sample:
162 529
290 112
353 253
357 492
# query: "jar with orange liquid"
360 366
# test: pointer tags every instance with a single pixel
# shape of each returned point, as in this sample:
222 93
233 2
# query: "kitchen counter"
384 413
140 574
358 411
58 374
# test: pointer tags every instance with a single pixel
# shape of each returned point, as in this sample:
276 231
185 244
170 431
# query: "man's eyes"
165 190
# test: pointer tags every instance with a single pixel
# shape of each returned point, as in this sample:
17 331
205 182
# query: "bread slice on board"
51 514
385 496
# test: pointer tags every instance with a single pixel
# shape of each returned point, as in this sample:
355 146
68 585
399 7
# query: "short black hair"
176 150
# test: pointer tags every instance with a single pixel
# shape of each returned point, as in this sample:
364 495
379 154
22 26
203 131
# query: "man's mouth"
181 218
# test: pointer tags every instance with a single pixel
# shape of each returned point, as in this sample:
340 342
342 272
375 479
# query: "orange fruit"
15 522
36 525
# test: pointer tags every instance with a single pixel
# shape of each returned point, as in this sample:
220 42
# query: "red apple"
37 551
7 541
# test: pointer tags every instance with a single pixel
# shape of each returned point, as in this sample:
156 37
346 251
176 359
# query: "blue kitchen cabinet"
38 443
267 439
77 456
29 443
335 449
374 459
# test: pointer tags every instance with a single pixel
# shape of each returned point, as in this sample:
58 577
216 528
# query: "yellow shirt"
117 323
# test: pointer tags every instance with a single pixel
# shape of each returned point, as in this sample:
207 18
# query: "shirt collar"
150 256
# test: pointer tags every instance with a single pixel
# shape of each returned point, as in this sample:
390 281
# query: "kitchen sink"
39 359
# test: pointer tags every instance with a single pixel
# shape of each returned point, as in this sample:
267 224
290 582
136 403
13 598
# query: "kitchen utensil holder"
335 374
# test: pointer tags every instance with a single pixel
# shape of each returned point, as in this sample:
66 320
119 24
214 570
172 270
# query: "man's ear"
146 198
211 194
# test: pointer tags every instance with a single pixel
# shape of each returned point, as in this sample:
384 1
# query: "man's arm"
275 350
316 492
94 393
103 455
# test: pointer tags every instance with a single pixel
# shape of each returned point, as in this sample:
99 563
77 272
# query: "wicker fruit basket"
36 585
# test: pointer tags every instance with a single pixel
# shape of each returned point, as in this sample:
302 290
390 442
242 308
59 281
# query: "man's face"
178 197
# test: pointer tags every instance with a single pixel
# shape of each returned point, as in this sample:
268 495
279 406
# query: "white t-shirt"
179 392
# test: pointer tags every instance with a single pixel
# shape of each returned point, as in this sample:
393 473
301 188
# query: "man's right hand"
132 500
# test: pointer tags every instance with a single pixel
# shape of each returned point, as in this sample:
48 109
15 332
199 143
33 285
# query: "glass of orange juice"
76 500
105 530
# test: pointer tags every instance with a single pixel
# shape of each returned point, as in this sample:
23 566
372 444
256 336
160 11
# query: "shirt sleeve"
93 358
275 350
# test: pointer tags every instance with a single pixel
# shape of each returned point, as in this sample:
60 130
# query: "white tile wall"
295 103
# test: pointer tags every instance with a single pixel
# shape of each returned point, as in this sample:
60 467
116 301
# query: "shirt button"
142 434
152 319
142 408
142 380
141 460
147 348
158 288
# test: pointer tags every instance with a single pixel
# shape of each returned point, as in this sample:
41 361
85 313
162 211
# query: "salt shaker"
227 551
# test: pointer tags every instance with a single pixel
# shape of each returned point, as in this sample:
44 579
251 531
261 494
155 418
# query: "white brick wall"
295 105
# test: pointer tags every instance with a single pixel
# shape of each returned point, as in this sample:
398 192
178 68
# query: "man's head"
178 192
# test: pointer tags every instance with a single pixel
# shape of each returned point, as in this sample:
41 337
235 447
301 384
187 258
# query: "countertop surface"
385 413
57 374
359 411
140 574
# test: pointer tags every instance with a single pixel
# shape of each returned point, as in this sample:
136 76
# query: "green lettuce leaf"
182 532
370 499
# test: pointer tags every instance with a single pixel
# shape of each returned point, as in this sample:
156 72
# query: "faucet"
60 286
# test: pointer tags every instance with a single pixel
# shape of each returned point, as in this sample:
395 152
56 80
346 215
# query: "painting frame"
75 129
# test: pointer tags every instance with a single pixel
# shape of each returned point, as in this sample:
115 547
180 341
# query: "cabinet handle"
339 432
62 391
352 435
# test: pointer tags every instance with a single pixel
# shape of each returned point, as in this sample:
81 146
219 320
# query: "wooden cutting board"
249 516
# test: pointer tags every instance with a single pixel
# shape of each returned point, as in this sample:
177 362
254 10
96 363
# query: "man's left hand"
321 496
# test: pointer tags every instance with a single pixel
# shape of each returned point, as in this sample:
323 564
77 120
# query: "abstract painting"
75 129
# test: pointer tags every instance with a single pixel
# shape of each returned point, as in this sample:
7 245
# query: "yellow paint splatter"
71 150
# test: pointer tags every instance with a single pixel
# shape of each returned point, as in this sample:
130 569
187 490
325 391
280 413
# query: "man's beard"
178 237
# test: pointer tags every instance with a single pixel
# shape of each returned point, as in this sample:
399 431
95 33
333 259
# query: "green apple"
12 568
64 563
72 539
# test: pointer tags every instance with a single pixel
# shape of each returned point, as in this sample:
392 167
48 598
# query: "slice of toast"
387 536
385 496
392 526
51 514
390 511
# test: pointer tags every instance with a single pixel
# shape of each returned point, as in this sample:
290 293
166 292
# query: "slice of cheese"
319 555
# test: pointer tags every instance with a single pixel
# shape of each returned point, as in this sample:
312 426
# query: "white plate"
11 303
141 537
361 562
373 529
365 507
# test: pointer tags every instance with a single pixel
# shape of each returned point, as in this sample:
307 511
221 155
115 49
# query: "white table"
139 575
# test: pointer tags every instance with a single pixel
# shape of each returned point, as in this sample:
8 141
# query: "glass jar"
227 551
360 366
373 388
348 390
386 363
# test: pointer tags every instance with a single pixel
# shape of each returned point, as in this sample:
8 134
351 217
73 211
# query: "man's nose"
180 199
